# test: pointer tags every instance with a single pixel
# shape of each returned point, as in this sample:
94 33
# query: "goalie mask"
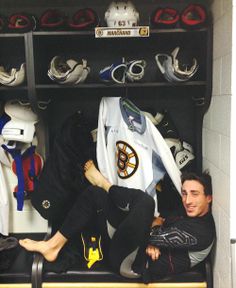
121 14
21 126
173 70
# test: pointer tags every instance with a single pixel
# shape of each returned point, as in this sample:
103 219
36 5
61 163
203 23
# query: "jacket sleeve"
172 237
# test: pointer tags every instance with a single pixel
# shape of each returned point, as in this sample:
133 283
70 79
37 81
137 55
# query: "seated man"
124 217
182 242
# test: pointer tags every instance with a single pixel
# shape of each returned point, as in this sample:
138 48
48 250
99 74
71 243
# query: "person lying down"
137 244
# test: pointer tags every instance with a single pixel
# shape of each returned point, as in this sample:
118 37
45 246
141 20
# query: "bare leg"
95 177
49 249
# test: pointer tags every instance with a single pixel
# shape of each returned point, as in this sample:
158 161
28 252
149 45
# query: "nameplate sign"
109 32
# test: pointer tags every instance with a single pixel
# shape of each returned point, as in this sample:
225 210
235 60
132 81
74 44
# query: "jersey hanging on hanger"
130 150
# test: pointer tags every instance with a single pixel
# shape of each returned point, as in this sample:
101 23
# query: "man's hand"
158 221
153 252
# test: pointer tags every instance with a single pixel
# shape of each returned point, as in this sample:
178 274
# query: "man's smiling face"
195 202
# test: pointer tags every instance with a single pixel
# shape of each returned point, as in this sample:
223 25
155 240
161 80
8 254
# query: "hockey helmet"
83 19
21 127
121 14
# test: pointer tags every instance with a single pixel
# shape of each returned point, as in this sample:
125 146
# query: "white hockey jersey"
130 150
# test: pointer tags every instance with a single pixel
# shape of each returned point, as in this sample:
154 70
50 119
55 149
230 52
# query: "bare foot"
95 177
40 246
88 164
49 249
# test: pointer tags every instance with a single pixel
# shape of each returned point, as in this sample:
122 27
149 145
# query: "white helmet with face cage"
121 14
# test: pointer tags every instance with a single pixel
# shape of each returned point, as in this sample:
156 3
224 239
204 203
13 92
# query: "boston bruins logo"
127 160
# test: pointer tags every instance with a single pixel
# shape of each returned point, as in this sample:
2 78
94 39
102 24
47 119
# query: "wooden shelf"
92 33
126 85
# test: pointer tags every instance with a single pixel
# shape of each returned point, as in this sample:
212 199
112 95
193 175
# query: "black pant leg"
130 239
87 208
124 197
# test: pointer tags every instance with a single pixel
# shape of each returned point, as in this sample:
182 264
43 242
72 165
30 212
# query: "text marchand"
118 32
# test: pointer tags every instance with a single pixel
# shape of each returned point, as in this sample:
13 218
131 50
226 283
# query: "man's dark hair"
204 179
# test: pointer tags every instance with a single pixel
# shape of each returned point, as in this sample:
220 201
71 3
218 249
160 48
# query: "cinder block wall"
217 137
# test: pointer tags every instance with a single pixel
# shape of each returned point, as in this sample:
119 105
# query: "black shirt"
183 242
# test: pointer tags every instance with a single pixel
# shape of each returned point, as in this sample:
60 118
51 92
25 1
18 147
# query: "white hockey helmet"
21 127
121 14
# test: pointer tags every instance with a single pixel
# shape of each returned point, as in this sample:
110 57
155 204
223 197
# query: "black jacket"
184 242
62 178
